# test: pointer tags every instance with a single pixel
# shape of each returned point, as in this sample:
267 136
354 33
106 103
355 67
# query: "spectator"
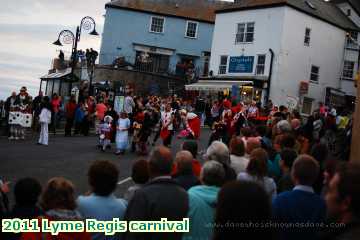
70 109
192 147
237 158
342 201
219 152
185 176
202 201
79 118
100 111
251 144
288 157
102 205
301 205
27 192
4 200
140 176
58 202
329 172
242 203
320 153
36 107
256 171
160 198
55 104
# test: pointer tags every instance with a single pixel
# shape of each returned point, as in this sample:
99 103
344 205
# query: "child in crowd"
105 133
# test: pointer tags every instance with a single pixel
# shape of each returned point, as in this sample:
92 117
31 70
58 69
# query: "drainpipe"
270 73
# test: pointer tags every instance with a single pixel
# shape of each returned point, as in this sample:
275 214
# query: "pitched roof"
326 11
353 3
200 10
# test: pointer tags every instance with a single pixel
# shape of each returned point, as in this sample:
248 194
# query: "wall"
325 51
351 54
123 28
143 83
268 30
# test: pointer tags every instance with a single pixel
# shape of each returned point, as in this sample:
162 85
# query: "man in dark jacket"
160 198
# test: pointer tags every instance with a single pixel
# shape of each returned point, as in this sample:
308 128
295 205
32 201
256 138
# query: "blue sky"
27 30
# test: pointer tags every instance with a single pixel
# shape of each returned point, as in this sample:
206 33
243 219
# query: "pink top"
101 109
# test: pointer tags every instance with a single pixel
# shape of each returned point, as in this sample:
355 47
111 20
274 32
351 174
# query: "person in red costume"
192 124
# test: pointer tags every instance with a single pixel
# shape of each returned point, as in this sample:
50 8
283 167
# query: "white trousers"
44 134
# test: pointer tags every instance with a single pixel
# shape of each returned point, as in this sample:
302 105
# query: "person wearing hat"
192 123
21 105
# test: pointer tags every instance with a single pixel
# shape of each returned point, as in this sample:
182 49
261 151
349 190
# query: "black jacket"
160 198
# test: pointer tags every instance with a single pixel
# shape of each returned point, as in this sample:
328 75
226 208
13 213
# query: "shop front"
244 91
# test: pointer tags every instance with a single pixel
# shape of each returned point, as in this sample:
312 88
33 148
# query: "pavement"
68 157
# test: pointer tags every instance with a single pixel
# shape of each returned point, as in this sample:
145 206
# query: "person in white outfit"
45 120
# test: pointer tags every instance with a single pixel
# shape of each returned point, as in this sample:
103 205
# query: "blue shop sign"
243 64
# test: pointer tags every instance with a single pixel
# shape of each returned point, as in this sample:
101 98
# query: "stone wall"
142 82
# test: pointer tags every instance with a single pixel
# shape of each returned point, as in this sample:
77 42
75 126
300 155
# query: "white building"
351 8
282 46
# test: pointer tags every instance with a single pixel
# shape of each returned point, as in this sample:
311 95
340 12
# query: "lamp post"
68 37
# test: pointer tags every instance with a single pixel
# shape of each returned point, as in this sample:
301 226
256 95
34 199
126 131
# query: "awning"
215 85
57 75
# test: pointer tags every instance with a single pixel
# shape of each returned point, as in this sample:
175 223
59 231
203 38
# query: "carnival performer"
45 120
191 123
227 118
253 112
21 106
144 134
136 127
122 134
167 119
105 132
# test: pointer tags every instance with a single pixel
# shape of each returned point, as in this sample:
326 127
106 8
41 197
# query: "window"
223 64
307 37
260 67
348 71
348 12
245 33
191 29
307 105
157 24
314 76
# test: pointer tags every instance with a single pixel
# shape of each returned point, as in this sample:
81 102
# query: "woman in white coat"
45 120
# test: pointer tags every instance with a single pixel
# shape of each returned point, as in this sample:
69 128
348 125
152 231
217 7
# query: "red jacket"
70 109
196 167
60 236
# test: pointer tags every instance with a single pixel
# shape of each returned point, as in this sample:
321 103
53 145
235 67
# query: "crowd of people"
266 173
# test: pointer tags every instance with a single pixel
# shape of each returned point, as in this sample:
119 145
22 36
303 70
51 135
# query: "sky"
27 30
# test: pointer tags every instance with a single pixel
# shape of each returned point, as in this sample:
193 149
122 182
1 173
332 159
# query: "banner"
119 104
19 118
243 64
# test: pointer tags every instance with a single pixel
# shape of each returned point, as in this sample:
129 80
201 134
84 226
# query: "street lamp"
68 37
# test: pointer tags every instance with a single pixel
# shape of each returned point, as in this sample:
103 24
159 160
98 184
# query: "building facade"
292 50
351 8
164 36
